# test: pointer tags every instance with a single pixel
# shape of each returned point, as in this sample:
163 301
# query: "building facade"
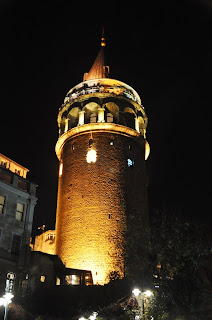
17 203
102 149
45 242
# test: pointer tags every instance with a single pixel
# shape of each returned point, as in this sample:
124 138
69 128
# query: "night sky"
161 48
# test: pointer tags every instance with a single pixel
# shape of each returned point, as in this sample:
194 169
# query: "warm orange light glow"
101 115
13 166
61 169
91 156
103 42
147 150
81 118
95 257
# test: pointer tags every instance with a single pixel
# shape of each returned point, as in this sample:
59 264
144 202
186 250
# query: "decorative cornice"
94 127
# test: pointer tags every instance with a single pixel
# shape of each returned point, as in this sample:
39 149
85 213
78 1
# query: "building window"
111 143
50 236
57 281
22 184
2 202
6 176
88 279
42 278
130 163
16 244
19 211
72 279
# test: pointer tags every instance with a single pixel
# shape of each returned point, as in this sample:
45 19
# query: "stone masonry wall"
93 201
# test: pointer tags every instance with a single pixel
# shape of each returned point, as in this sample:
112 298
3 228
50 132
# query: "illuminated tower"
101 149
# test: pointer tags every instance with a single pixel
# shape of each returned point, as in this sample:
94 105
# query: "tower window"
90 142
111 143
130 163
93 118
109 117
42 278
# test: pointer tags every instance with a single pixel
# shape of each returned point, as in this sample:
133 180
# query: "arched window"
109 117
93 117
129 120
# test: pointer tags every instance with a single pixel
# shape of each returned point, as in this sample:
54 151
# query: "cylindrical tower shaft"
93 198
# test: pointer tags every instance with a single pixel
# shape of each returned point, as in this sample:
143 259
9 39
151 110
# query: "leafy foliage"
177 247
137 246
113 276
116 311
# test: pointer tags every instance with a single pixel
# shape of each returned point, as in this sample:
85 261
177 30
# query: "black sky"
161 48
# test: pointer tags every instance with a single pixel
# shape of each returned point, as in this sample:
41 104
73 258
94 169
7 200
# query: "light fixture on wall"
61 169
91 156
147 150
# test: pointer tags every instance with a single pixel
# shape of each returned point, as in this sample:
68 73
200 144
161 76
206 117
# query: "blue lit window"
130 163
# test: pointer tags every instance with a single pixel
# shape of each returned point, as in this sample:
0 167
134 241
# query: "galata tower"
102 149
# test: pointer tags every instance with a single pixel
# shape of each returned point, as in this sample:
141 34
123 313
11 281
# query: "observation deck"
102 100
108 86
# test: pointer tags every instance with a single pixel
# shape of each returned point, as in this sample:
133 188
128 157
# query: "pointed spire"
98 69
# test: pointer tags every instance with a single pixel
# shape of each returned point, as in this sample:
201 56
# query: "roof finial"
98 69
103 42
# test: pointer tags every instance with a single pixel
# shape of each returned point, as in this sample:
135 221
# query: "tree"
177 252
137 247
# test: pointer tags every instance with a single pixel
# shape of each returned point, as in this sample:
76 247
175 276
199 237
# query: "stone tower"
102 149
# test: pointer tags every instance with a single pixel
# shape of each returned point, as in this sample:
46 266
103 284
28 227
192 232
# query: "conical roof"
98 69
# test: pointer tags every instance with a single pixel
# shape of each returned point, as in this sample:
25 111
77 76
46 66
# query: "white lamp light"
91 156
8 297
2 301
93 316
136 292
148 293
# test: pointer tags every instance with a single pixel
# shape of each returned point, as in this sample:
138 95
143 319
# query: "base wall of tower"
95 201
